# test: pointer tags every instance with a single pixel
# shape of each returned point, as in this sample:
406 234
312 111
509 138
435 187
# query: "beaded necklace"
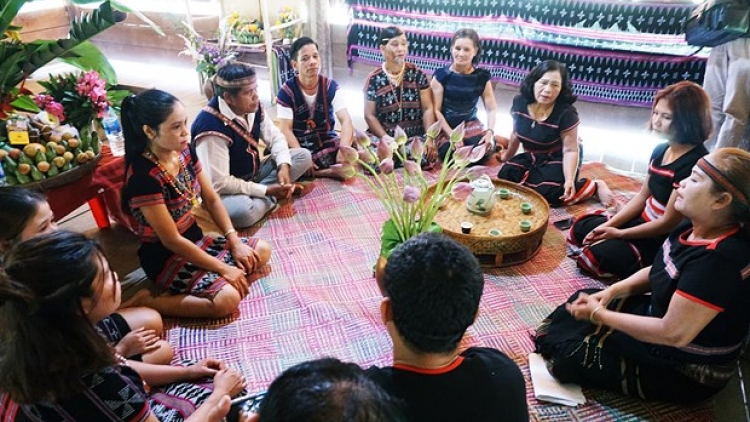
396 81
183 190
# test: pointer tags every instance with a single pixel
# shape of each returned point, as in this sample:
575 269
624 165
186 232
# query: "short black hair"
232 71
691 112
434 285
474 37
566 90
328 390
297 46
390 32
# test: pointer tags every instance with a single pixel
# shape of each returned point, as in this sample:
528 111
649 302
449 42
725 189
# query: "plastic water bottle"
112 128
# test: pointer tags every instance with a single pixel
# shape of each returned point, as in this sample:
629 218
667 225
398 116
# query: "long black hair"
47 342
149 108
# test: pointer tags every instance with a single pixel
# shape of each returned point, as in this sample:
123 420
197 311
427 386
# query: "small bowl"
525 225
525 207
466 227
503 193
494 232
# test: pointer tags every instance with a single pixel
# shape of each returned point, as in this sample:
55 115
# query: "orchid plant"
410 201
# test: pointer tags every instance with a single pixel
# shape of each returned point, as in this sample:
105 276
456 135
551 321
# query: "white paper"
549 389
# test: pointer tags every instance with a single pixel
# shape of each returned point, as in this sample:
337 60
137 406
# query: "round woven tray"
65 177
509 245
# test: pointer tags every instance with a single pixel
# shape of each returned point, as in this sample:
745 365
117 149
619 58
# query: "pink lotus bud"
411 168
361 139
349 155
461 191
457 135
462 155
434 130
385 149
417 148
345 171
477 153
400 136
386 166
367 157
411 194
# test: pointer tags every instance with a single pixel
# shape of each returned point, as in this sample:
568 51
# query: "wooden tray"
511 246
65 177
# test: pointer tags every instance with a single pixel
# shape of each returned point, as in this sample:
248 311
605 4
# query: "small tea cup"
494 232
503 193
525 225
525 207
466 227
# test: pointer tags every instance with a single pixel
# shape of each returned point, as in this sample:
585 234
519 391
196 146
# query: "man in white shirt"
226 134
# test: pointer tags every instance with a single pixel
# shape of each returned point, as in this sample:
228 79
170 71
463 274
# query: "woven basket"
65 177
508 245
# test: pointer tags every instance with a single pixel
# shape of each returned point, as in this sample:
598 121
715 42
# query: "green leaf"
26 103
87 56
115 96
8 13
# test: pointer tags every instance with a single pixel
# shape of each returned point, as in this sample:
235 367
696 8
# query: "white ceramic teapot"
482 198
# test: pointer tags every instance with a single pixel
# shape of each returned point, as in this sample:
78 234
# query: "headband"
233 84
721 180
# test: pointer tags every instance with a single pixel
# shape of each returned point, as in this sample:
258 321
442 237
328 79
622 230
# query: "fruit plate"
65 177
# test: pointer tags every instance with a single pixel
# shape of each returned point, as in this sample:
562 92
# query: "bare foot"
604 193
140 298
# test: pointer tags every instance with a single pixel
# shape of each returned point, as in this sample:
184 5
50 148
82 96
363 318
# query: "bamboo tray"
508 245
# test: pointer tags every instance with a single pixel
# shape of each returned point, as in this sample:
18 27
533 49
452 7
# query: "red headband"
721 180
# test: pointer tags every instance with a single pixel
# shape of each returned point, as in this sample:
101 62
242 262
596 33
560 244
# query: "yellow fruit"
82 158
73 143
52 145
60 149
55 138
90 155
58 161
3 154
24 168
67 135
68 156
43 166
32 148
14 153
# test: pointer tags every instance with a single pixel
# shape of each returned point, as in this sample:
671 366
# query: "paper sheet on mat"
547 388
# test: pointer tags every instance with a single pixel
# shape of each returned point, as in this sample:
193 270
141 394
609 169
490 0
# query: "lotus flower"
362 140
417 149
400 136
411 194
461 191
367 157
386 166
434 130
348 154
462 155
411 168
457 135
385 149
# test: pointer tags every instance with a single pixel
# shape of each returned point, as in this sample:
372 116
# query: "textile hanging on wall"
619 52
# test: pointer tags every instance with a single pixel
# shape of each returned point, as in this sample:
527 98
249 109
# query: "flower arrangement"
75 98
208 56
243 30
410 206
286 15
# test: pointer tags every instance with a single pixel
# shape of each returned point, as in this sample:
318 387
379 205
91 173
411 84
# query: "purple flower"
434 130
461 191
477 153
385 149
417 148
411 194
399 136
367 157
462 154
476 171
361 139
386 166
457 135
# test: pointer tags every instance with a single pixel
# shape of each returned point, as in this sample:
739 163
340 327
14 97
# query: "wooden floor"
181 80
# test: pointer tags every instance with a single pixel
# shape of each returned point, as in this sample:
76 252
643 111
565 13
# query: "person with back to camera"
457 89
55 366
619 246
226 134
546 123
398 94
326 390
134 332
198 276
433 287
673 331
308 105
